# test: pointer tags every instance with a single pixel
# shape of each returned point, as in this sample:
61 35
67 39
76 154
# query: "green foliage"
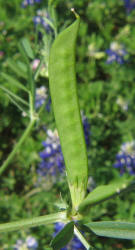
63 237
123 230
101 193
103 91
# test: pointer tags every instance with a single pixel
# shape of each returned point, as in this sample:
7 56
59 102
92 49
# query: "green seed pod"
62 80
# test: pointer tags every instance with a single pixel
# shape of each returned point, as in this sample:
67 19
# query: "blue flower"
41 17
116 53
129 5
125 159
48 105
73 244
41 96
25 3
52 158
29 243
86 127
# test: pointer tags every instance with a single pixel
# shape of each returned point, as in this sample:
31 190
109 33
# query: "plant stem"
81 238
17 146
33 222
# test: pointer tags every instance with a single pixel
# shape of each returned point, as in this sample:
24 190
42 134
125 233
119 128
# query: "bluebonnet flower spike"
25 3
116 53
125 159
129 5
52 158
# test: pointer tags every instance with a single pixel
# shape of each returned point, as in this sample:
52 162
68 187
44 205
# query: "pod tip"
73 10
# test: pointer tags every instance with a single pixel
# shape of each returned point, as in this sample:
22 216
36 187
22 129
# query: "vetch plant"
62 80
75 243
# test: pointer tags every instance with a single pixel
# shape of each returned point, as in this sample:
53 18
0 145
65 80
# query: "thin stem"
33 222
17 146
14 95
32 86
32 192
15 103
81 238
31 106
38 69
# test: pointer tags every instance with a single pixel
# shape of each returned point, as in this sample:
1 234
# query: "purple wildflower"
52 158
41 96
116 53
1 54
86 127
125 159
129 5
35 64
29 243
25 3
40 19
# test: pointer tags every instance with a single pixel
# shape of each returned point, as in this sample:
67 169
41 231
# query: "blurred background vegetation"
34 181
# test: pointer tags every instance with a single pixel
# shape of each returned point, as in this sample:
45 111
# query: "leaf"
13 81
120 230
23 53
17 104
22 66
15 67
27 47
63 237
7 91
104 192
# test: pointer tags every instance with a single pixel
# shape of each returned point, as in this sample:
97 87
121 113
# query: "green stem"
31 108
17 146
32 192
81 238
33 222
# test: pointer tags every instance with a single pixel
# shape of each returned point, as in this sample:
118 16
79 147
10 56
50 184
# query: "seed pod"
62 80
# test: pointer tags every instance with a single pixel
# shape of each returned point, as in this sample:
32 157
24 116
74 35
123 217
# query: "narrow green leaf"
14 95
50 23
22 66
104 192
15 67
13 81
63 237
27 47
120 230
15 103
23 53
33 222
30 78
39 68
